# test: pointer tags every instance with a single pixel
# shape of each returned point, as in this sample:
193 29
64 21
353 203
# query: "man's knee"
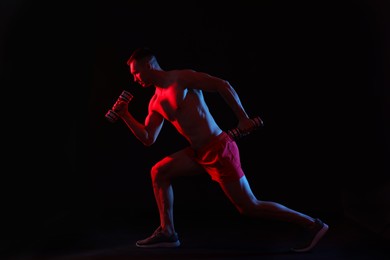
158 173
243 210
246 209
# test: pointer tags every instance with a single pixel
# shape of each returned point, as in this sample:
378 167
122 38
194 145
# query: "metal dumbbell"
236 133
111 115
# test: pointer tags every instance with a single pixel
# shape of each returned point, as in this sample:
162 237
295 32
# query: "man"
178 99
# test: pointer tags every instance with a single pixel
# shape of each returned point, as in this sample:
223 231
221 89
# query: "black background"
315 71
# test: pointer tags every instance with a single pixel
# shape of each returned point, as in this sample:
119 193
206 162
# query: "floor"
111 237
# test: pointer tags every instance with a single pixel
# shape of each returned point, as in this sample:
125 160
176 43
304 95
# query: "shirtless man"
178 99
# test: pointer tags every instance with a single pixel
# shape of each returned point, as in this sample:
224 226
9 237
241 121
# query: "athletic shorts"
220 158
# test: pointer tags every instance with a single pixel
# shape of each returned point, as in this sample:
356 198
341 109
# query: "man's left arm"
210 83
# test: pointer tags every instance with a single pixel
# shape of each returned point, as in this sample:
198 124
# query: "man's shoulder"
180 72
181 76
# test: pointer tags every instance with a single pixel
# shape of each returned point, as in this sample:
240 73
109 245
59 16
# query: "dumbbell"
236 133
111 115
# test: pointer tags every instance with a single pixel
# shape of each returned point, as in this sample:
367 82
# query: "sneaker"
159 239
313 237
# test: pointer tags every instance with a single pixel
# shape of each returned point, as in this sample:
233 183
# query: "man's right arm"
148 132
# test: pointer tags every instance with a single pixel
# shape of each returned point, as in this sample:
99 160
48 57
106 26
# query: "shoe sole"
163 244
315 240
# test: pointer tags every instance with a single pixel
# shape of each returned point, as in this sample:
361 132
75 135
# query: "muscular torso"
187 111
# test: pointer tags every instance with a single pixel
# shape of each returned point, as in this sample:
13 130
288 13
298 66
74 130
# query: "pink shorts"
220 158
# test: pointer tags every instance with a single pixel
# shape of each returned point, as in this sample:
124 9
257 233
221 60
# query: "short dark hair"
140 53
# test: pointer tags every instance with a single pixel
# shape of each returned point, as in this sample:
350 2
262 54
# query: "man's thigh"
180 163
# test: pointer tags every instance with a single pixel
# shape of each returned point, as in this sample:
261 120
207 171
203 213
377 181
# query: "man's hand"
245 127
120 108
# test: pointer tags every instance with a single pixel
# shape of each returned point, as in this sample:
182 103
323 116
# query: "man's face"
140 73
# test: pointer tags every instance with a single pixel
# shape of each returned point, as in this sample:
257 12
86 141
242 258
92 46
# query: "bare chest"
171 102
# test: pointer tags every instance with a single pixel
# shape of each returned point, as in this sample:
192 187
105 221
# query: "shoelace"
157 231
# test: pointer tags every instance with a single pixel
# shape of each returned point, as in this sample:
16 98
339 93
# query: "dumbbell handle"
236 133
111 115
